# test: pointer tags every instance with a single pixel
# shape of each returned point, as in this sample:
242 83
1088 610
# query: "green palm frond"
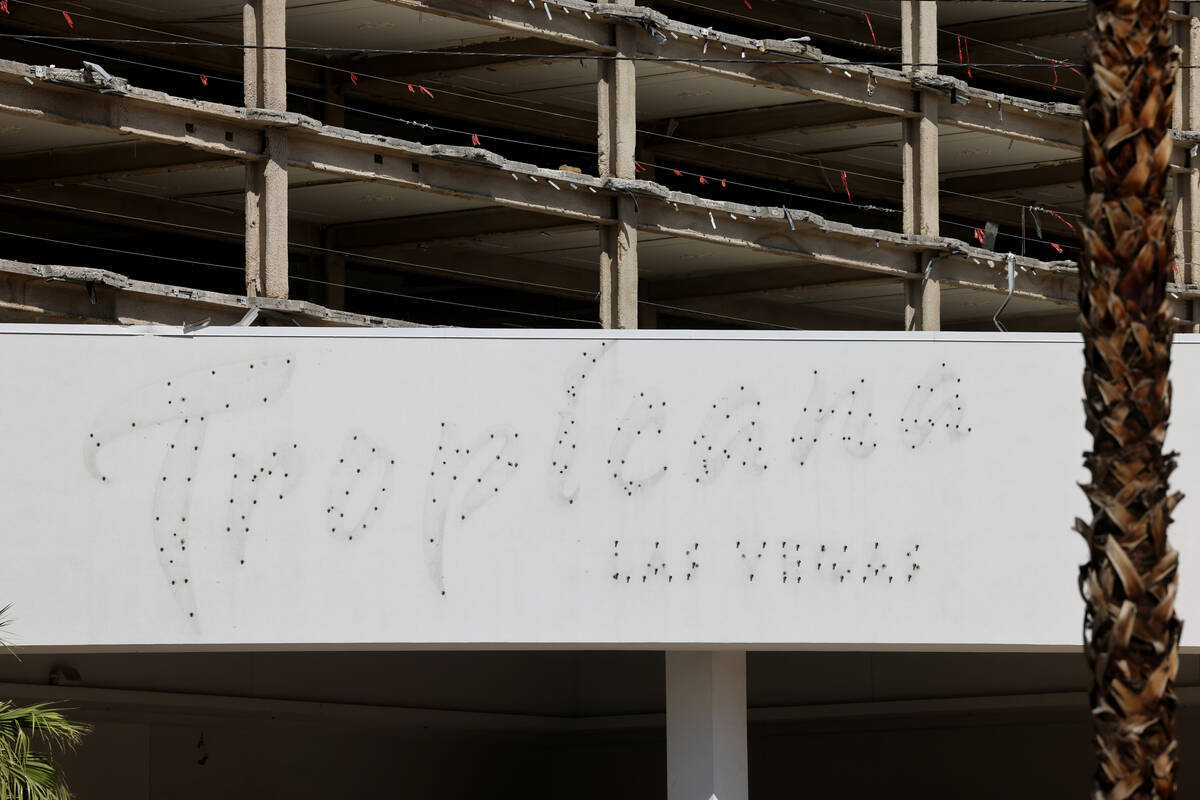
4 623
26 774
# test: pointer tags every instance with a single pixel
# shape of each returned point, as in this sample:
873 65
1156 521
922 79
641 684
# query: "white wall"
269 487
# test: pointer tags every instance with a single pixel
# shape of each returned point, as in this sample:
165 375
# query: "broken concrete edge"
813 56
638 188
776 215
478 156
796 53
298 310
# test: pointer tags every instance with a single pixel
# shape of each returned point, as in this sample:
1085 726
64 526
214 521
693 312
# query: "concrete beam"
792 67
40 292
844 27
879 190
68 97
796 170
847 27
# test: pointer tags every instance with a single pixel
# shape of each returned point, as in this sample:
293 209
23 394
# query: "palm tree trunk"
1130 580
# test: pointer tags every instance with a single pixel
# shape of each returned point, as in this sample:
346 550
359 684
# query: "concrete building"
254 590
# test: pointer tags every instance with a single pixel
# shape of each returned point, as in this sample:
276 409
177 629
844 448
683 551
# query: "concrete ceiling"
329 23
568 85
21 135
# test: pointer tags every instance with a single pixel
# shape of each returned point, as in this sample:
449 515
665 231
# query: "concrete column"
922 297
1187 181
265 85
706 725
616 137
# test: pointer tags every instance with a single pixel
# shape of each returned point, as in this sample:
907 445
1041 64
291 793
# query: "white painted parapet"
285 487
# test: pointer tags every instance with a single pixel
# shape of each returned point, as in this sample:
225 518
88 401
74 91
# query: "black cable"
195 262
401 120
785 57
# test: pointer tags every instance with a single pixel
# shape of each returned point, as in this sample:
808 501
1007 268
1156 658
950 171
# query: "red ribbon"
677 172
979 235
67 17
1061 219
354 79
747 2
1056 247
475 139
638 167
411 89
962 46
870 27
722 183
846 186
703 179
204 80
4 6
425 91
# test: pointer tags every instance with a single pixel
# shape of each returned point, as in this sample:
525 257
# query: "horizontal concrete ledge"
98 295
71 97
776 64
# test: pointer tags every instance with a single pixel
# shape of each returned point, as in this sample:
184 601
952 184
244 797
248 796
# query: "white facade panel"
279 487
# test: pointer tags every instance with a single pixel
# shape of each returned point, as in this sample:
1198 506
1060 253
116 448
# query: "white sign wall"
284 487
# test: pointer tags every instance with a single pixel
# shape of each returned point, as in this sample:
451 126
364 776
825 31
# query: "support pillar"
616 106
706 725
1187 180
265 86
922 295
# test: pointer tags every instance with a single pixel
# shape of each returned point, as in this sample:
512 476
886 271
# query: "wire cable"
196 262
